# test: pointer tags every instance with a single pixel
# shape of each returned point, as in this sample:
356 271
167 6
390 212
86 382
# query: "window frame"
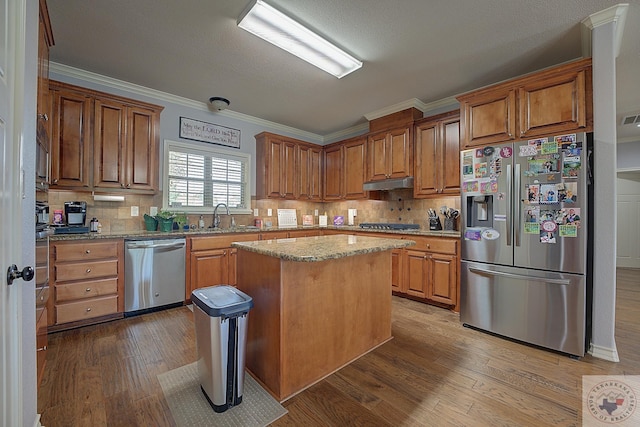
206 150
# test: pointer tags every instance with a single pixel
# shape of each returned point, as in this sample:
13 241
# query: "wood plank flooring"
434 372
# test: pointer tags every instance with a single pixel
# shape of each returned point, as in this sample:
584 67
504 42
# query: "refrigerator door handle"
509 197
519 276
516 206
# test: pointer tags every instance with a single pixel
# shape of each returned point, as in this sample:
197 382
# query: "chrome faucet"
216 217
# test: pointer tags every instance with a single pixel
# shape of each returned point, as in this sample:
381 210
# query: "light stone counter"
322 248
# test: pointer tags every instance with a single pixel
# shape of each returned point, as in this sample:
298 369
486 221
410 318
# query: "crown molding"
110 82
411 103
616 14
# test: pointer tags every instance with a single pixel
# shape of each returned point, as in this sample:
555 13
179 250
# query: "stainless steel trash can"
221 315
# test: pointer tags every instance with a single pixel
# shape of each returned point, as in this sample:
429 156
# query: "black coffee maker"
75 214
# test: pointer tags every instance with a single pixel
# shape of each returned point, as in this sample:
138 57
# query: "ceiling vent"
631 120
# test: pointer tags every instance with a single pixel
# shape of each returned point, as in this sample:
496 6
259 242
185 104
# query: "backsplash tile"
395 206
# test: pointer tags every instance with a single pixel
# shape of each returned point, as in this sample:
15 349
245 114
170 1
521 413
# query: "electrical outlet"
269 212
135 211
153 210
255 212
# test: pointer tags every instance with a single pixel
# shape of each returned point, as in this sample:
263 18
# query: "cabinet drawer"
80 290
445 246
219 242
86 270
86 251
86 309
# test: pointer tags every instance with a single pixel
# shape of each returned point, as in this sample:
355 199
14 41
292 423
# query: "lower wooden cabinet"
88 281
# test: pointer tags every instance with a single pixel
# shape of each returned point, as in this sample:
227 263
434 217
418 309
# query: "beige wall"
396 206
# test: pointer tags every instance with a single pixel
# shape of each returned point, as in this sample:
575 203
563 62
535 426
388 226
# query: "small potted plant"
181 220
165 220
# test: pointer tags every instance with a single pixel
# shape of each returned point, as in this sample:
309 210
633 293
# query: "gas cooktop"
389 226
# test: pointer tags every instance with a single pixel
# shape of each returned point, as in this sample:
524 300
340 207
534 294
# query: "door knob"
13 273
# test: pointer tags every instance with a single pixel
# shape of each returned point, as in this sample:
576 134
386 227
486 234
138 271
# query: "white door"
628 201
12 67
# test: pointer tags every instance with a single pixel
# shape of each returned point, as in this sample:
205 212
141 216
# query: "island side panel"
259 277
332 313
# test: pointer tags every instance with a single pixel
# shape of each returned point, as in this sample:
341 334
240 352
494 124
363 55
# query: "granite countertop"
142 234
321 248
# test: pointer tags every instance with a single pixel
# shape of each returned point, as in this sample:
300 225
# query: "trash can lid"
222 300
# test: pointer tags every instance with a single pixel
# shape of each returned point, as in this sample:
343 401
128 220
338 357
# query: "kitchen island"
319 303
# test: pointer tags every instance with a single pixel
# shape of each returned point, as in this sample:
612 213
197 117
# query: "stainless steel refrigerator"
525 240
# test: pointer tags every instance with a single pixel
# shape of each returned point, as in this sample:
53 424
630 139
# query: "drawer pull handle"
88 309
42 348
88 290
88 251
88 270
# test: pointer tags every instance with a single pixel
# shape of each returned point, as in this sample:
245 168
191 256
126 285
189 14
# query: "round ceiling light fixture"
219 103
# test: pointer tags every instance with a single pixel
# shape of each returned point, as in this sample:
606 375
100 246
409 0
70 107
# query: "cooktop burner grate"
389 226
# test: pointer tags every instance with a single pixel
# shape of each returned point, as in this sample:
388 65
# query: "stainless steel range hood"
389 184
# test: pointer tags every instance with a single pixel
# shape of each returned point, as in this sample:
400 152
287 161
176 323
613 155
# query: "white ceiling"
429 50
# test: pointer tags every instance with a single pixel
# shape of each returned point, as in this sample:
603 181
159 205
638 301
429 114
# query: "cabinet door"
488 118
232 265
355 154
273 165
71 142
333 166
399 154
416 273
443 278
141 149
449 182
209 268
289 171
427 167
309 167
553 105
377 166
108 144
43 100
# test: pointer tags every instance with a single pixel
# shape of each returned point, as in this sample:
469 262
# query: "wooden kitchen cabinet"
88 279
437 147
212 261
310 172
71 144
43 104
345 169
550 102
390 154
124 146
103 142
280 174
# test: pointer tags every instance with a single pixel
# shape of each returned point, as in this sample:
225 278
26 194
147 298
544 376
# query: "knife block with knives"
434 220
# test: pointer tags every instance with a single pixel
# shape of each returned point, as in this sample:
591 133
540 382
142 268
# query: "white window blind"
199 177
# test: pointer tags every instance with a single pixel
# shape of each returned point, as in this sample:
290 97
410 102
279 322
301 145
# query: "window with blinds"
199 177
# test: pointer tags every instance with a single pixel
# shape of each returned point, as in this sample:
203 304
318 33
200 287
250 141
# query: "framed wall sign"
209 132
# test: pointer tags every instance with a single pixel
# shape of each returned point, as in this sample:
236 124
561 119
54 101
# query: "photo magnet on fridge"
548 193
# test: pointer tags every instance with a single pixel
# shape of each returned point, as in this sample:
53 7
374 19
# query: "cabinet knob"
128 185
428 245
44 117
224 252
88 251
157 294
88 270
88 290
122 184
55 181
425 257
88 309
42 348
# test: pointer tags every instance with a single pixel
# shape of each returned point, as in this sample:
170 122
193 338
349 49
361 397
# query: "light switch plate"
269 212
135 211
153 210
315 212
255 212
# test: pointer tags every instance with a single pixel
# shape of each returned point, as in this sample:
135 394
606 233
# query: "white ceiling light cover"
275 27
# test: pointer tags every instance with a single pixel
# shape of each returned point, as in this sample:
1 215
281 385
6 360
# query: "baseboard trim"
600 352
37 421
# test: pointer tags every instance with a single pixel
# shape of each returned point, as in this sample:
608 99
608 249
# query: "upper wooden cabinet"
345 169
310 171
553 101
45 41
437 147
102 141
390 154
287 168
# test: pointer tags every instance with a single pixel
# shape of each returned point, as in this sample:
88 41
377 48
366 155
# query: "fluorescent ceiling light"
275 27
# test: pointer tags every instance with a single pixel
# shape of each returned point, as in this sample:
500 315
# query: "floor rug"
190 408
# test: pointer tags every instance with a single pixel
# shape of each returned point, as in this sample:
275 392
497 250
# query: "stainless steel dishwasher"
154 274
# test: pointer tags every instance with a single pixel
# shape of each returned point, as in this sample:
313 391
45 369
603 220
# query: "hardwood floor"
434 372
